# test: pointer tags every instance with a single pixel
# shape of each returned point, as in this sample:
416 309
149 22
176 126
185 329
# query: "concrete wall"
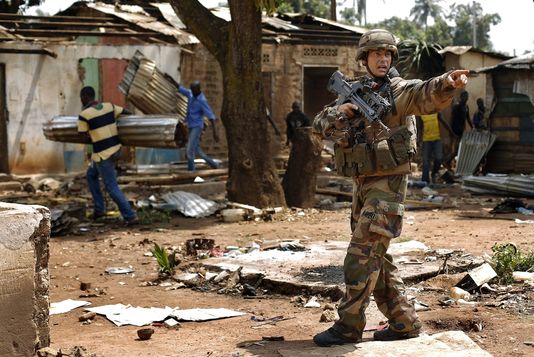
24 279
40 87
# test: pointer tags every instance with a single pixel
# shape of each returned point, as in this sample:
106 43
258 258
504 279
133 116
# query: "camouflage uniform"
377 211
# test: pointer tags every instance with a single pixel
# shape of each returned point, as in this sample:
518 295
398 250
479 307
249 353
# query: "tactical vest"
378 156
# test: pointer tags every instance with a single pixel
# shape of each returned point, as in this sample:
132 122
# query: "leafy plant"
148 216
507 258
165 261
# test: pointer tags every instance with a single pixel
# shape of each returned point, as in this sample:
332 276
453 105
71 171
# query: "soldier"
379 161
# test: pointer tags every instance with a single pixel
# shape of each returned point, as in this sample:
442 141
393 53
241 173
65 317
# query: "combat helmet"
374 40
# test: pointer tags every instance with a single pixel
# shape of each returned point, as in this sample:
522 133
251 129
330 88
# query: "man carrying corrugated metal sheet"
98 120
377 154
197 108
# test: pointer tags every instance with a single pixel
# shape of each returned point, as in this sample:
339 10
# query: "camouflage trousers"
377 212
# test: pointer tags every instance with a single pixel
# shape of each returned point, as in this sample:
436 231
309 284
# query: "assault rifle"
370 104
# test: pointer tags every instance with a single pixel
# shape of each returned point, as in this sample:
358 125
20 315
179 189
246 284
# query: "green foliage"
147 215
320 8
166 264
463 16
507 258
425 8
403 28
349 16
420 58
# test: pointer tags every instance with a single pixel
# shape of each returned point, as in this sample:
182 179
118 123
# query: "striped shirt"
99 120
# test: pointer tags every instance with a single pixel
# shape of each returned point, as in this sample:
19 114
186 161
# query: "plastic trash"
458 293
524 210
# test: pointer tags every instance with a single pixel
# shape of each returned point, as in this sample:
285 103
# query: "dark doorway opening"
315 94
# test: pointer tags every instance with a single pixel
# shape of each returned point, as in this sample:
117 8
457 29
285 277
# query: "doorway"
315 94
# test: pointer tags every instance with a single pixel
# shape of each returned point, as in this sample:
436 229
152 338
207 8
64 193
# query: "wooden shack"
511 85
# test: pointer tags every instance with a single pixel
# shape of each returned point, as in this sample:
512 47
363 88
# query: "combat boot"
388 334
331 337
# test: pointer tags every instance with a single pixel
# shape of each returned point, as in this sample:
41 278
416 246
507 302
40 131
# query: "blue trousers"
431 149
193 149
106 170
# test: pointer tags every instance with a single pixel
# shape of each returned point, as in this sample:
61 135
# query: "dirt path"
84 258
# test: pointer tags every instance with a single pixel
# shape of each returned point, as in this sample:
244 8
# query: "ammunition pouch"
364 159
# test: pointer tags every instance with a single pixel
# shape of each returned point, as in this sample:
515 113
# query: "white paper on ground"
121 314
205 314
66 306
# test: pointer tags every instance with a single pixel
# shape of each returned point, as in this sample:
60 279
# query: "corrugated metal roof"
525 61
457 50
355 29
170 15
460 50
145 21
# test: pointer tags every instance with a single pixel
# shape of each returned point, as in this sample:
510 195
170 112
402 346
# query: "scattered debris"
66 306
272 338
328 316
190 204
233 214
87 316
500 184
145 333
199 247
477 277
120 270
312 303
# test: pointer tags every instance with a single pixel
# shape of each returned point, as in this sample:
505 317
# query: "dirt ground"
84 258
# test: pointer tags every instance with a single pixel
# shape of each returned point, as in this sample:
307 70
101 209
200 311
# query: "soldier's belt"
382 155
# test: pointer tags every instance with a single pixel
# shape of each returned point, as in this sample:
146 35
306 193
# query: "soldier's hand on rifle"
458 78
348 109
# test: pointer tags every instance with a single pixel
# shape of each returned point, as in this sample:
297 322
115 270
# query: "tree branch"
211 30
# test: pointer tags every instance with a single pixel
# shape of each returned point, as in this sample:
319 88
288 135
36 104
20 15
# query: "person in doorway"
380 188
197 108
478 117
295 119
432 146
98 120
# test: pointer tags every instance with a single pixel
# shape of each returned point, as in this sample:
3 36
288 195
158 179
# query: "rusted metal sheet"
112 73
149 90
155 131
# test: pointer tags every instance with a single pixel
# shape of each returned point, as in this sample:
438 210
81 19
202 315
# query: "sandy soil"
84 258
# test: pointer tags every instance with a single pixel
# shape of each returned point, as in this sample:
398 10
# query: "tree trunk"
333 10
253 178
301 175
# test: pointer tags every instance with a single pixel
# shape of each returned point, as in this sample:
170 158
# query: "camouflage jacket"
412 97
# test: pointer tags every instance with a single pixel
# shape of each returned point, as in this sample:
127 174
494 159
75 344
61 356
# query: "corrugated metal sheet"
145 21
170 15
520 185
190 204
473 147
525 61
149 90
157 131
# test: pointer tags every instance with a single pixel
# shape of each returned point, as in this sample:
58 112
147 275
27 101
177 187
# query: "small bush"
507 258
